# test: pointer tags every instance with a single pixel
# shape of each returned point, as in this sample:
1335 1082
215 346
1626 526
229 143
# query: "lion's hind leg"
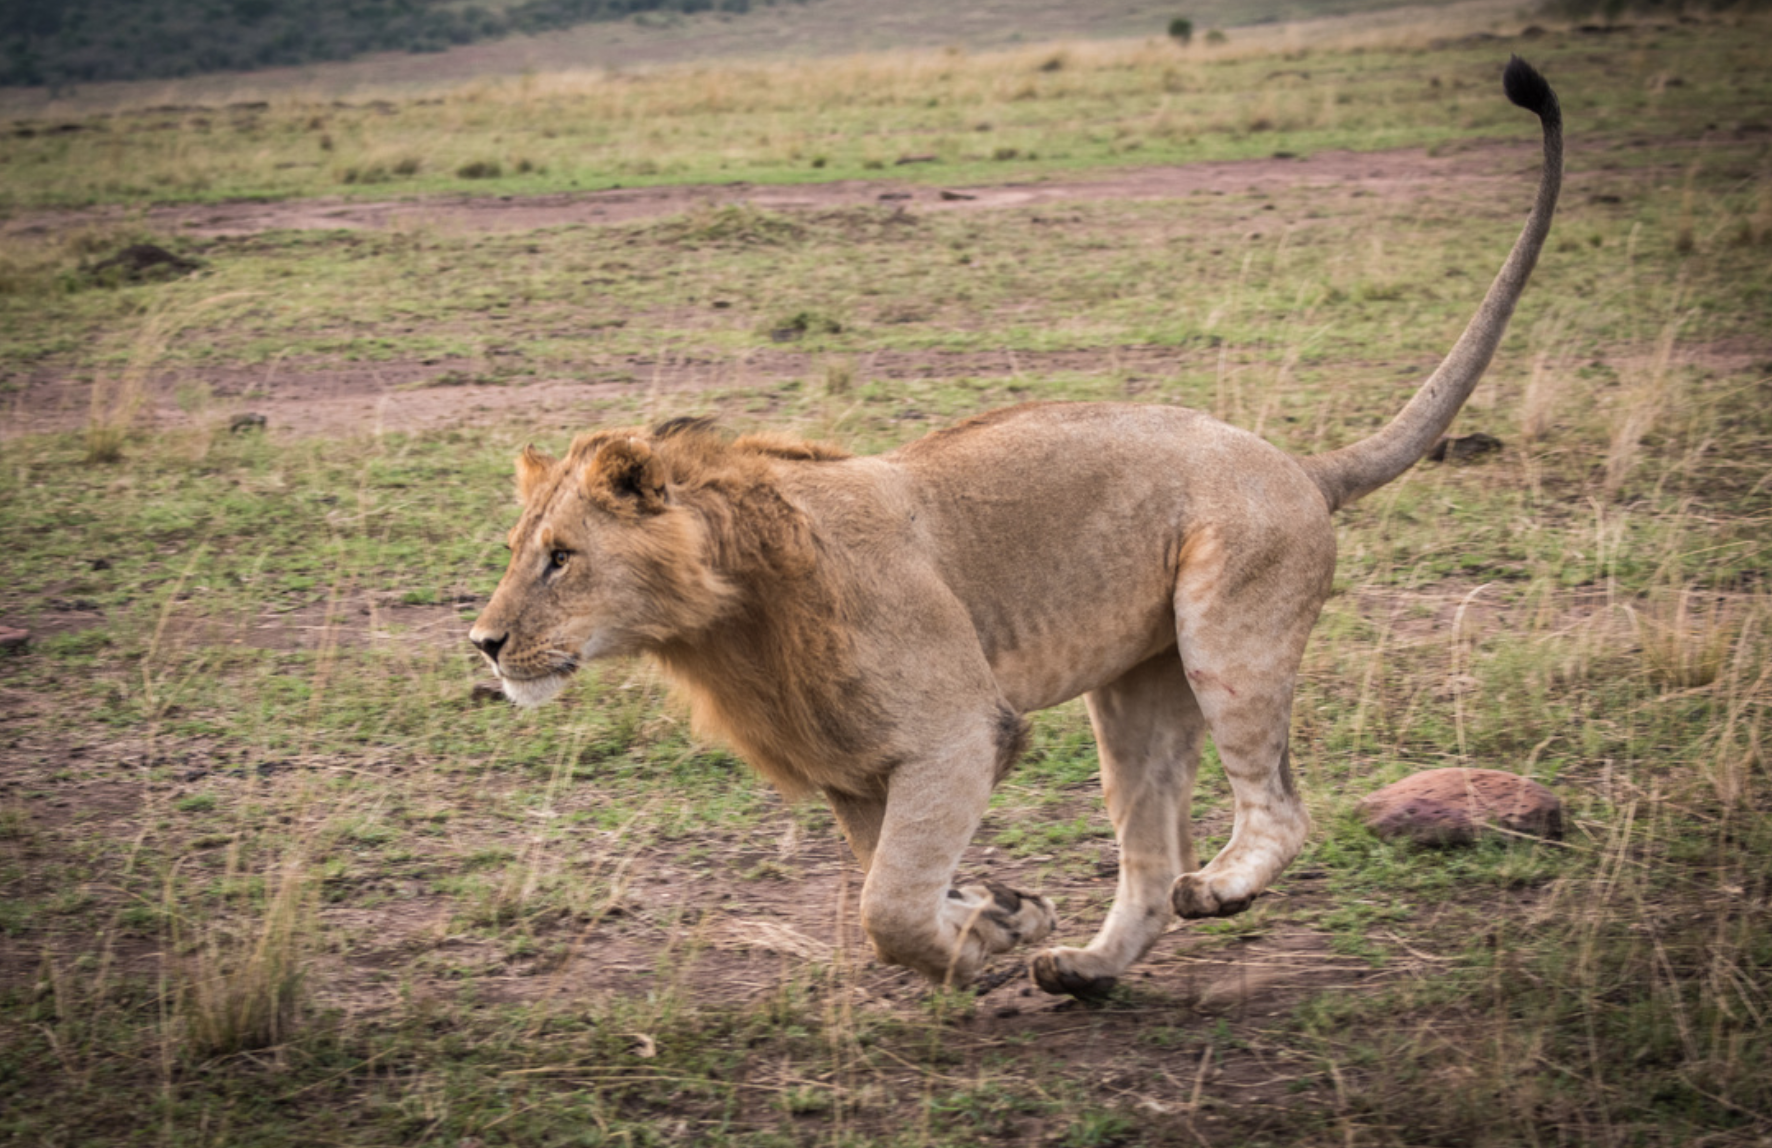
1241 652
1148 729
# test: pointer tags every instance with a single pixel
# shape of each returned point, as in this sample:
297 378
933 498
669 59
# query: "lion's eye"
557 558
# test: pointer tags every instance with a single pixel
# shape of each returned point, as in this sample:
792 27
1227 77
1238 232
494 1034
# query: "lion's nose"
490 646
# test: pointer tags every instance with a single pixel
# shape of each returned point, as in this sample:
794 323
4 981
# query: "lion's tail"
1346 474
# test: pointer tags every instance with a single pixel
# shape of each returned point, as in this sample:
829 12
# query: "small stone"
1464 448
1454 806
486 692
144 261
12 640
250 421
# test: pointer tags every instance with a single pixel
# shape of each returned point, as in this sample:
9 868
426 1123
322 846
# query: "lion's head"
606 559
636 540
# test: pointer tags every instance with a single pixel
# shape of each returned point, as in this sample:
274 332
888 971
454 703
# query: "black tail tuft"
1525 87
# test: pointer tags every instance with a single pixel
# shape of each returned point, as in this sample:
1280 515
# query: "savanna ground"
273 871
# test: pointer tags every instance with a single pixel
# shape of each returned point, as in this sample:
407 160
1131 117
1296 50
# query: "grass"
272 873
1004 114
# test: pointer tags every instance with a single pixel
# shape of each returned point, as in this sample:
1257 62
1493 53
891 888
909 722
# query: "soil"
1399 173
747 932
331 398
738 937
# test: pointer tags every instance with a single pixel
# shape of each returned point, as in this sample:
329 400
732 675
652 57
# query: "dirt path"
1401 173
331 397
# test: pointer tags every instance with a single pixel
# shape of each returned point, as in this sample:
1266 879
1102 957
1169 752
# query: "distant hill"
59 42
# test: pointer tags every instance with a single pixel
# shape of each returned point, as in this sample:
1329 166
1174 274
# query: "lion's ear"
532 467
626 477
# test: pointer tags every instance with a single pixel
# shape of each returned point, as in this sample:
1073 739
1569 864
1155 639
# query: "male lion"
872 629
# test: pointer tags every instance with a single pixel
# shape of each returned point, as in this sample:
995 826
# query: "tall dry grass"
1648 391
121 396
696 118
240 986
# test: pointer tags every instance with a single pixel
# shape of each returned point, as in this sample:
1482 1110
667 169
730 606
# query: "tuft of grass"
1686 638
839 375
1640 406
730 224
242 986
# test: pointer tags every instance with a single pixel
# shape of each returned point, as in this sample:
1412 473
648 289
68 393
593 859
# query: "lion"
873 629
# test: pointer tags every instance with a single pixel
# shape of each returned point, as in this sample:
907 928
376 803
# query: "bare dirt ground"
1400 173
743 934
334 397
736 937
328 398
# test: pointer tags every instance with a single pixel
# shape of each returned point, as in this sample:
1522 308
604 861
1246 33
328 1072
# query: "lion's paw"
1193 898
1065 972
1002 917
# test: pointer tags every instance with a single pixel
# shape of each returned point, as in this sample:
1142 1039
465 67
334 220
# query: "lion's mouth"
533 690
530 692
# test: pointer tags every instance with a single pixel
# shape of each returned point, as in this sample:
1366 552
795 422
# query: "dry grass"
119 393
1047 105
1644 399
1687 636
583 924
242 985
533 73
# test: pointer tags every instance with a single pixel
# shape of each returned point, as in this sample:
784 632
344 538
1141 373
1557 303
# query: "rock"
250 421
140 262
12 640
1464 448
1454 806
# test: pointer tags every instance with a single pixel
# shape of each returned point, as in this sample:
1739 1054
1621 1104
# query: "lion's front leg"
909 907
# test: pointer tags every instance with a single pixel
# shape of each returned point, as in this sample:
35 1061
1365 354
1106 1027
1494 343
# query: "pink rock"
1453 806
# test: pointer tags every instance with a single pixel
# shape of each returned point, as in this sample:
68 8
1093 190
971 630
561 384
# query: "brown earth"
332 398
736 936
745 934
1400 173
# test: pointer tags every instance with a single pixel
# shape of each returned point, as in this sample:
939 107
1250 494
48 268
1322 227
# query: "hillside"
61 43
81 41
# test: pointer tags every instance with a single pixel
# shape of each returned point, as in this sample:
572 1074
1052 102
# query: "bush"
1181 30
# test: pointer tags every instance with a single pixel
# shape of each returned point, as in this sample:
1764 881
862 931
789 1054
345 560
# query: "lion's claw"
1052 976
1019 918
1194 899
